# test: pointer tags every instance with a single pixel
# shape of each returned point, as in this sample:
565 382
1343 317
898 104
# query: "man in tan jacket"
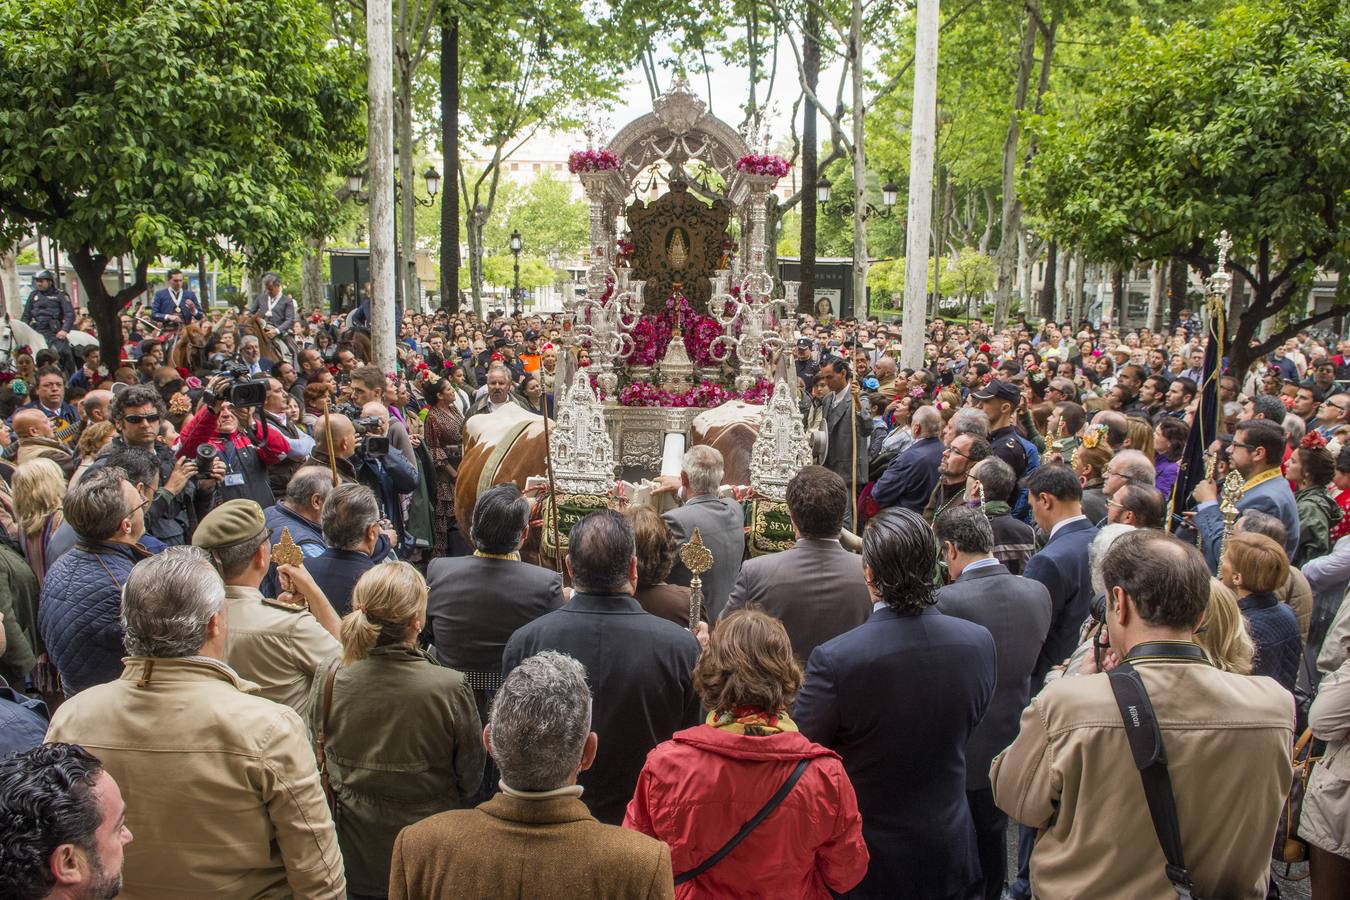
221 788
276 643
37 440
535 838
1070 773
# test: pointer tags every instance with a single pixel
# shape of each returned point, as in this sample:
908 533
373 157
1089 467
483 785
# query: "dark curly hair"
900 551
46 800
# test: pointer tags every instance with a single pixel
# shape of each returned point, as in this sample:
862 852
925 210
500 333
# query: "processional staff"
698 559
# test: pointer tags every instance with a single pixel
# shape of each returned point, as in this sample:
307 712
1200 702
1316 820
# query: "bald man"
37 440
339 434
94 407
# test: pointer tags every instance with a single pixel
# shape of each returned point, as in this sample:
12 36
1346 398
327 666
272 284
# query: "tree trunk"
1079 288
407 187
922 157
384 274
473 229
9 283
1155 290
858 75
1061 289
1007 247
1047 311
1178 283
938 231
311 275
105 308
450 155
806 294
1118 296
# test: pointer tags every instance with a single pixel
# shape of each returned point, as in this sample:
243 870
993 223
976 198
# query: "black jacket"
898 698
49 312
477 603
640 669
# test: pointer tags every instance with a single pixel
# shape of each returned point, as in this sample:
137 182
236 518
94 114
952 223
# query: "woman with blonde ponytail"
402 737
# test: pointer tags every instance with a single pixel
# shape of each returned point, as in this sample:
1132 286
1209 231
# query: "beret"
232 522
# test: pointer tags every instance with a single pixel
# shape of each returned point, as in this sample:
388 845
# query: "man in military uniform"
49 311
998 400
279 644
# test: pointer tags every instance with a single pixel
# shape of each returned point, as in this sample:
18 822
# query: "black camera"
366 424
374 445
245 391
206 454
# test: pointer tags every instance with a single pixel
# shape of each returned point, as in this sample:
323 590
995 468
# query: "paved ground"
1289 890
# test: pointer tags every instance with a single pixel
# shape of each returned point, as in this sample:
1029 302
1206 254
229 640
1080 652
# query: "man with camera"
221 432
1221 774
381 466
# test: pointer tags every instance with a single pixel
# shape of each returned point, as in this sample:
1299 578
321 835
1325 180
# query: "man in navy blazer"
1256 453
898 698
909 480
1056 498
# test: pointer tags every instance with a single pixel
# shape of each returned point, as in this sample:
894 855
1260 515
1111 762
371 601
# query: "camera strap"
1150 757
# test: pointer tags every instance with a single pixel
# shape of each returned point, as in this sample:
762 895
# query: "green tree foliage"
160 127
1239 126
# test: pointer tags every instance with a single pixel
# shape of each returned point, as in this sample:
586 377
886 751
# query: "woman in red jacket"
698 789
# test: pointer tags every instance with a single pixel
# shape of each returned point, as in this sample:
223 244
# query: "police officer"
49 311
998 400
807 367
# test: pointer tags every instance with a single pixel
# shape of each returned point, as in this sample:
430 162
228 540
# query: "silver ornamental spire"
583 454
781 449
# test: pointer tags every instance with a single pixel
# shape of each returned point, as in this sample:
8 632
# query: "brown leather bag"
320 756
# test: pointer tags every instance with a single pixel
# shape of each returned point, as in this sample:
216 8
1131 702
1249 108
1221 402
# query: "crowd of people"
249 650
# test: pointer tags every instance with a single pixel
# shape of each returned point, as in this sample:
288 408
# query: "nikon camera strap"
1146 746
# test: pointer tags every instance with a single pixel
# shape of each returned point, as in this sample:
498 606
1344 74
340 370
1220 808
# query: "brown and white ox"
508 445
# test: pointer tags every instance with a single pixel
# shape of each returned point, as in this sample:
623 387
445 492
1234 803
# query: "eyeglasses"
1238 445
1335 405
1114 505
958 453
139 420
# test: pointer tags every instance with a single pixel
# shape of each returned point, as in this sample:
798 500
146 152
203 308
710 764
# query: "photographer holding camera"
382 467
220 435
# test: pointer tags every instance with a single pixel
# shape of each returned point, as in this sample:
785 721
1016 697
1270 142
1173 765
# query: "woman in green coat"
1311 468
401 736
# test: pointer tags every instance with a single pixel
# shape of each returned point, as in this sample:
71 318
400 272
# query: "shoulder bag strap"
325 708
1146 746
779 796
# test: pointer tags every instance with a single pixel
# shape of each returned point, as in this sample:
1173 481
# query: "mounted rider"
49 312
174 304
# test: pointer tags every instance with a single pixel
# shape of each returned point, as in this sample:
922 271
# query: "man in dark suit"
720 523
277 309
909 480
1055 495
640 667
898 699
477 602
1256 453
1016 611
816 588
846 438
351 527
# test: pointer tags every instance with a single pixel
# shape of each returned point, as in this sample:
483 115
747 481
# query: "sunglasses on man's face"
140 420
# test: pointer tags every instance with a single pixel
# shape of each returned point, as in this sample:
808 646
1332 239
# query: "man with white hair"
720 522
909 480
250 355
540 736
203 757
499 391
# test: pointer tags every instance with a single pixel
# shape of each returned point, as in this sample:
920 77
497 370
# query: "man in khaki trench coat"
221 788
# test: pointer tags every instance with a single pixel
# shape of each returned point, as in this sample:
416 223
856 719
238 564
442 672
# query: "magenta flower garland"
579 161
768 164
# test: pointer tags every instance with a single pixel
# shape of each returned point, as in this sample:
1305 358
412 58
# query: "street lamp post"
889 194
515 251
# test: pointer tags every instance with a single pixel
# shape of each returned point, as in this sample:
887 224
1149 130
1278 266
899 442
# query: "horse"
186 350
508 446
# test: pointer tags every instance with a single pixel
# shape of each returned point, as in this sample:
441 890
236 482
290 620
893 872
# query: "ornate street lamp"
890 193
516 246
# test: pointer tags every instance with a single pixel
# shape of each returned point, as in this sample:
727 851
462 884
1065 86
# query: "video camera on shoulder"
244 391
371 444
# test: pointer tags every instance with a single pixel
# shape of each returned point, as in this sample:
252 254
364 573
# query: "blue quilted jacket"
80 612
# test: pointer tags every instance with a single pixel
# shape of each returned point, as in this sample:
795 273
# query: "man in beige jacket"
276 643
221 788
1070 774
